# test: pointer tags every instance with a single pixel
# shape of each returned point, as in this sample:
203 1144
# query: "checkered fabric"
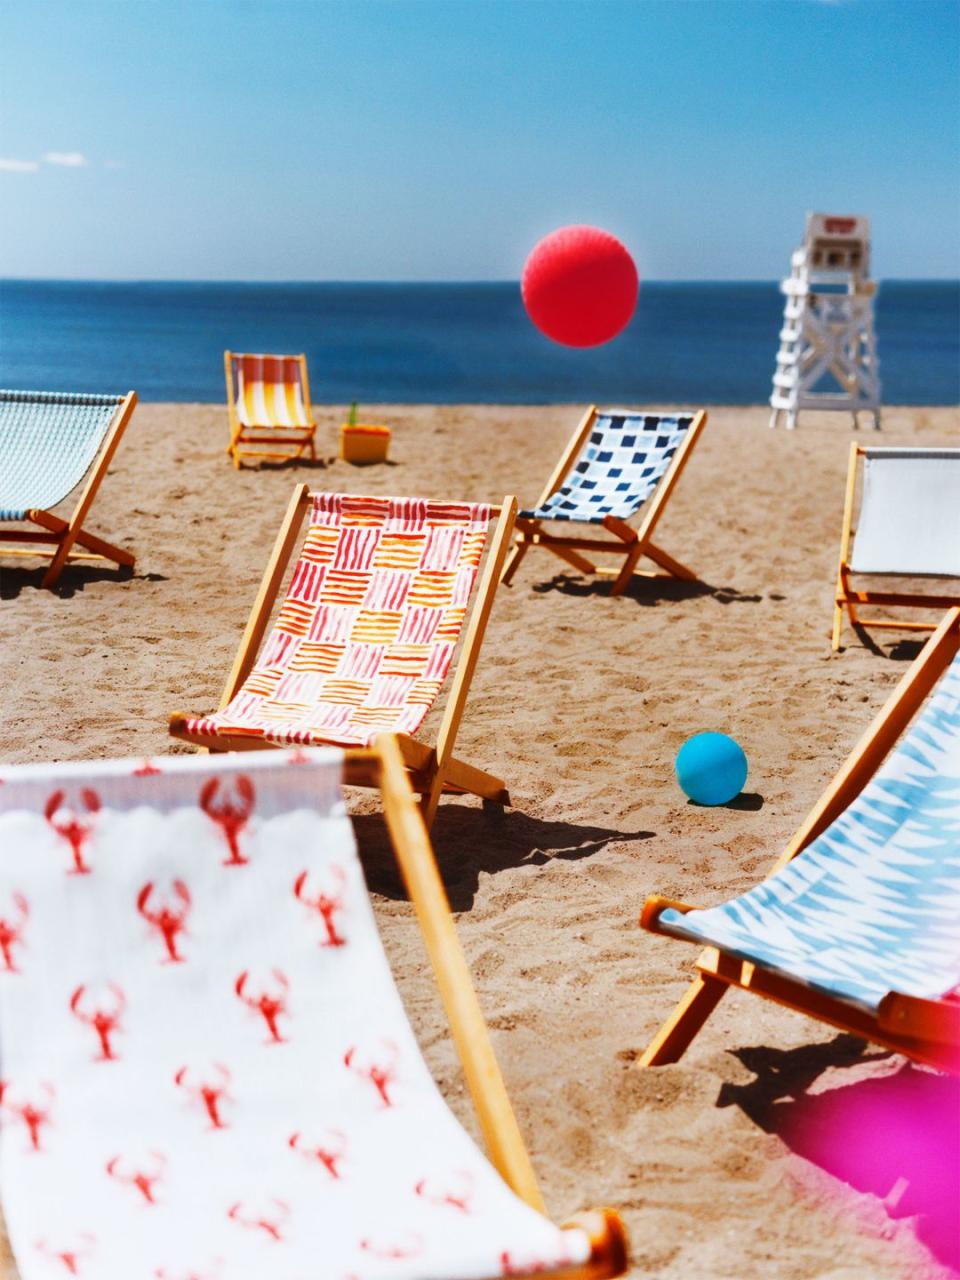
269 391
208 1072
872 905
48 439
618 468
366 634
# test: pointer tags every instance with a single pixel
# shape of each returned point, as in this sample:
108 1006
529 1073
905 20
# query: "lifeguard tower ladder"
827 336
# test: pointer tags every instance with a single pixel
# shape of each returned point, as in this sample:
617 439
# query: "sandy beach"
722 1165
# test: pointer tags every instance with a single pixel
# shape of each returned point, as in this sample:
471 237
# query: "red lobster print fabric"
365 637
205 1068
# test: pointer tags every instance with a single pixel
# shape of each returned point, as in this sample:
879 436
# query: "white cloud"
67 159
18 166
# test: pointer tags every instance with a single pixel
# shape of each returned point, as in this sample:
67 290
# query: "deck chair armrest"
609 1250
653 908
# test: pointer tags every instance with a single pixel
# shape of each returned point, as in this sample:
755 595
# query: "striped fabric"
48 440
618 468
873 904
366 634
208 1071
269 391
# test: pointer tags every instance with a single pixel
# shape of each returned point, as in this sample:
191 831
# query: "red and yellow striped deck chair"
268 399
366 634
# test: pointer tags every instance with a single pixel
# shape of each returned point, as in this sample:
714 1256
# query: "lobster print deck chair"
614 463
48 442
857 923
908 525
268 401
366 635
207 1068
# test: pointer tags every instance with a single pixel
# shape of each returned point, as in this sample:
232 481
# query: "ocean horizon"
692 342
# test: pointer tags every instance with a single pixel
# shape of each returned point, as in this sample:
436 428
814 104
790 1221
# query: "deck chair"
909 524
48 442
365 637
857 923
614 462
268 399
207 1067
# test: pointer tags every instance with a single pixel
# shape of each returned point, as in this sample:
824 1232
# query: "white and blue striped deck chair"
858 924
49 441
615 463
908 525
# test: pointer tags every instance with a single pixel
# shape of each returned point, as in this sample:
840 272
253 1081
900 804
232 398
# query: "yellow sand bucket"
362 444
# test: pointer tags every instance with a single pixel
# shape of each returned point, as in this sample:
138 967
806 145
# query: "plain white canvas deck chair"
908 525
268 400
857 924
207 1068
48 442
615 462
366 635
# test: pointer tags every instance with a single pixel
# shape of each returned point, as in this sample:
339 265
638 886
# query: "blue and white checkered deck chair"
616 462
858 924
49 441
908 526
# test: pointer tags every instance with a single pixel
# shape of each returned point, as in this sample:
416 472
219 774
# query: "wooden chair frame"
66 535
385 766
847 598
926 1030
633 544
434 770
283 439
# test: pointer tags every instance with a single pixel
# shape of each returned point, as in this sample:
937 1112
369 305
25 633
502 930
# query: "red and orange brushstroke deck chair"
366 635
268 399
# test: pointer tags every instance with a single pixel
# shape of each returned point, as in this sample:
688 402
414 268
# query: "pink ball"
580 286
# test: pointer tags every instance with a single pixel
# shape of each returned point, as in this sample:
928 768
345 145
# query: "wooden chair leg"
513 562
622 580
572 557
837 627
665 561
669 1044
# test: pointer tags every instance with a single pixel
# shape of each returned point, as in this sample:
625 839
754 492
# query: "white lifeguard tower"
828 350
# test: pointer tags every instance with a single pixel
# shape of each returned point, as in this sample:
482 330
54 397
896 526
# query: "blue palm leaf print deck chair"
616 462
858 924
48 442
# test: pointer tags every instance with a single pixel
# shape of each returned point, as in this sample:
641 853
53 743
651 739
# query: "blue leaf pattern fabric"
873 904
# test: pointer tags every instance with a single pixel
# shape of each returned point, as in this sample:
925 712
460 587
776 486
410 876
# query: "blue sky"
438 140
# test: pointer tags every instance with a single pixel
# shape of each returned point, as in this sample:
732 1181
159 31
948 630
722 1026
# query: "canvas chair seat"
48 442
908 525
857 922
207 1067
619 467
365 638
616 462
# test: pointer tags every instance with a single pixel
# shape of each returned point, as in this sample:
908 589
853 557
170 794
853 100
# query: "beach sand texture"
580 702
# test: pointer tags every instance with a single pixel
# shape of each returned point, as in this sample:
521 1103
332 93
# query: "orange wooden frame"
847 598
434 770
65 536
633 544
926 1030
286 442
384 766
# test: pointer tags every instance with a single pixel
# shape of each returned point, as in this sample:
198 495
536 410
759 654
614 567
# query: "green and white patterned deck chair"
49 441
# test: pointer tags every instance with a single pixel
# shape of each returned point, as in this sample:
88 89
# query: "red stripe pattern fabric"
365 636
269 391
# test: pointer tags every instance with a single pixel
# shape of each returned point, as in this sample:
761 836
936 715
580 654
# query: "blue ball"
711 768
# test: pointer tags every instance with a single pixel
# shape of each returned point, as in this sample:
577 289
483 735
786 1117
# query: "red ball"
580 286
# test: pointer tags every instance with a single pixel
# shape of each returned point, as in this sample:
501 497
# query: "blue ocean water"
695 343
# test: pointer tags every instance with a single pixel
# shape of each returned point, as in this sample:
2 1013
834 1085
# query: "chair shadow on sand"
645 591
895 1136
469 840
900 651
75 578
